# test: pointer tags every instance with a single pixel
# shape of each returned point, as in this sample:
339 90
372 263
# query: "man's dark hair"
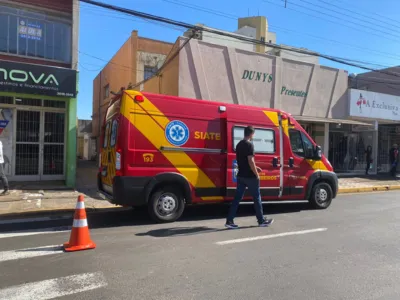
249 130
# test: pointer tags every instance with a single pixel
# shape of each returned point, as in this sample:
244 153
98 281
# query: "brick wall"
120 71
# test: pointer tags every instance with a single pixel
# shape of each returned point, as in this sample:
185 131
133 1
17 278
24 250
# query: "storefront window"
388 136
32 34
347 148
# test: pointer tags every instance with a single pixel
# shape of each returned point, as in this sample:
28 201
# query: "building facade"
315 95
138 59
254 28
379 91
38 89
384 111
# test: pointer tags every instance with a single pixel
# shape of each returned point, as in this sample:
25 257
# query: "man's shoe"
231 225
266 223
5 192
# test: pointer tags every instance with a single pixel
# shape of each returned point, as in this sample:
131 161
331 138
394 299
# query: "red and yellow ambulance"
167 152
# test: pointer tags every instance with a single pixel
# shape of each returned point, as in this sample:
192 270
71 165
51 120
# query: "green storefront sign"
267 77
294 93
257 76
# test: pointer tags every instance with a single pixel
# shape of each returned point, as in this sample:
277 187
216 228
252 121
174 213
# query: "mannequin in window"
368 157
394 159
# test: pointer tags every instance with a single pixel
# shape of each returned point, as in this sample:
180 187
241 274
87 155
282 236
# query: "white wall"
227 41
220 73
299 57
247 31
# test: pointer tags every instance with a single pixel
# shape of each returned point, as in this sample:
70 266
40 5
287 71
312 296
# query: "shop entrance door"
53 158
39 149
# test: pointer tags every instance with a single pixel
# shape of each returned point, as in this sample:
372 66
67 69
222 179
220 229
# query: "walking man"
247 177
2 173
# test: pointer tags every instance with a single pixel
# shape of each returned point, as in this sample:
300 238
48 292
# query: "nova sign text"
36 79
22 76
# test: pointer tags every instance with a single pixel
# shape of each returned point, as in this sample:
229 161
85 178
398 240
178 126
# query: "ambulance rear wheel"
166 204
321 195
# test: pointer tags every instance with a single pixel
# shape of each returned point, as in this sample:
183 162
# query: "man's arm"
250 158
252 165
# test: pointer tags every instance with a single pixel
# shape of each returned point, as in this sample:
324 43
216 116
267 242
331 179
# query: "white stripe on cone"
80 223
80 205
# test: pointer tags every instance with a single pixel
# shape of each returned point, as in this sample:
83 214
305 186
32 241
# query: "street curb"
56 212
378 188
111 207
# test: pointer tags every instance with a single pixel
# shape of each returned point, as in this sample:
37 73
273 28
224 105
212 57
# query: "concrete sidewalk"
370 183
54 196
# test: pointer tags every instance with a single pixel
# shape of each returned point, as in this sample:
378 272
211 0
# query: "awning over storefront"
327 120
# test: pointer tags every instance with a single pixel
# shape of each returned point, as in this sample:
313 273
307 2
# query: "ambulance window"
296 142
301 144
106 135
113 133
308 145
264 139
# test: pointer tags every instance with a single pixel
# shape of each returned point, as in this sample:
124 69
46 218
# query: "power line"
100 12
372 13
351 16
331 21
382 20
243 38
204 9
341 19
168 61
89 70
235 17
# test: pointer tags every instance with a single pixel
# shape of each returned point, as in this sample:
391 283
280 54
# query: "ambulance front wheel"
321 195
166 204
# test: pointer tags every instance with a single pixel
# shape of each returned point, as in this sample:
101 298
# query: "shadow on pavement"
178 231
131 217
186 231
118 217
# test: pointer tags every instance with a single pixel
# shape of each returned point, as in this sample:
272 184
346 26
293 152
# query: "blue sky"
364 30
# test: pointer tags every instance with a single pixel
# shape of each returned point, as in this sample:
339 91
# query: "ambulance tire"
321 195
166 204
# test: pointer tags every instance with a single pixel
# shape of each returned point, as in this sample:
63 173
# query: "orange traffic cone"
80 237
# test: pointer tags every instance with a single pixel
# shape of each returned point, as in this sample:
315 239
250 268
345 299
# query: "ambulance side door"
266 148
299 163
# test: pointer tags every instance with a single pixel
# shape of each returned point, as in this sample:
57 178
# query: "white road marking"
32 220
270 236
34 232
55 288
30 252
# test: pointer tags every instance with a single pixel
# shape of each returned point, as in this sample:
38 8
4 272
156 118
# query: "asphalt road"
349 251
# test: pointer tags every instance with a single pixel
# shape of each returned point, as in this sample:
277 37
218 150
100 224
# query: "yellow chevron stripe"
273 116
317 164
155 133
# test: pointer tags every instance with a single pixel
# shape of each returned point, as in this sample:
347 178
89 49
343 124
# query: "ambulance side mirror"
318 153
